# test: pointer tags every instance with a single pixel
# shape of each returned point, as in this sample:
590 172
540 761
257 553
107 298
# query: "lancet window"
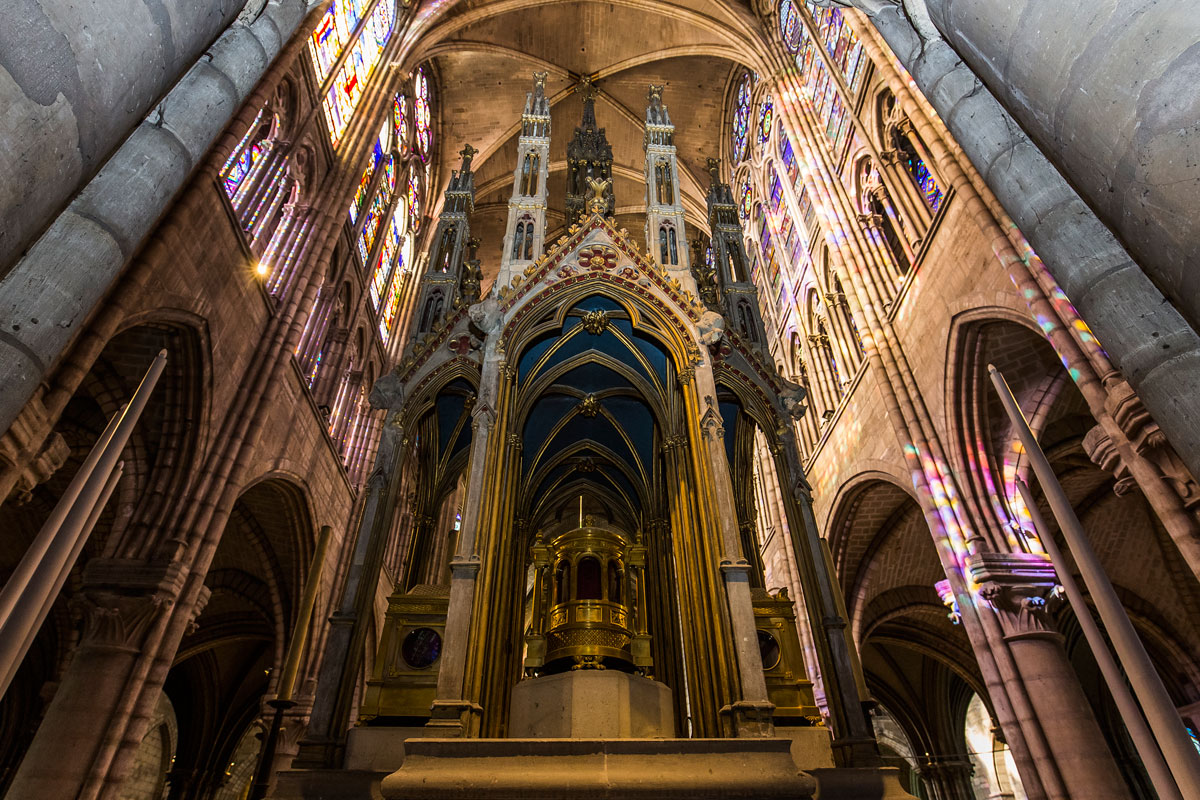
741 118
343 95
422 114
391 301
668 245
523 239
432 311
335 29
529 174
262 179
664 186
829 32
445 251
400 122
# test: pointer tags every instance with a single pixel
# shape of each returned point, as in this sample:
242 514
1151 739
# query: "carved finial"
467 153
714 168
539 83
654 95
596 203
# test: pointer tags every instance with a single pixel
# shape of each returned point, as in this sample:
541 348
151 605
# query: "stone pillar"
43 306
1015 589
121 602
453 714
338 677
1107 89
750 714
76 79
854 742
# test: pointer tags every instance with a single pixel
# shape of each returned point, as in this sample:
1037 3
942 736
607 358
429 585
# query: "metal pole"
291 666
1143 740
1160 712
57 555
48 603
16 584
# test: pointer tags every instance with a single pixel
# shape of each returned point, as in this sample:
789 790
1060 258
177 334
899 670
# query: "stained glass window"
391 304
421 112
332 34
371 223
924 178
364 183
840 42
400 120
741 119
347 88
244 157
389 176
789 24
414 202
788 156
747 196
379 275
765 115
844 50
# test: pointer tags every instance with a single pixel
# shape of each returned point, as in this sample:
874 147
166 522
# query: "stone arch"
1143 563
233 656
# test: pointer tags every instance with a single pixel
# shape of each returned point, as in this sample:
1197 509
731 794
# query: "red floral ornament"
597 258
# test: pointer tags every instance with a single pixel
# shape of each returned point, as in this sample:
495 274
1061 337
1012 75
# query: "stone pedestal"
591 704
812 747
590 769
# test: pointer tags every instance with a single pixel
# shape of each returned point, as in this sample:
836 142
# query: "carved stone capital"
115 622
1017 587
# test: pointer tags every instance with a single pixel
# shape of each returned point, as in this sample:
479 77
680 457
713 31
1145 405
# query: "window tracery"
766 116
741 118
421 113
414 202
400 122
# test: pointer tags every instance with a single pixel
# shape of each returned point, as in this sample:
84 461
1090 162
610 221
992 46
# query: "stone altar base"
598 769
591 704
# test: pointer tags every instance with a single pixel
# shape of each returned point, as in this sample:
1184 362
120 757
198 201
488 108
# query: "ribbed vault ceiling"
484 54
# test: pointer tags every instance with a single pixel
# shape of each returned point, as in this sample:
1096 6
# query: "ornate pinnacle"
654 95
539 83
714 169
467 153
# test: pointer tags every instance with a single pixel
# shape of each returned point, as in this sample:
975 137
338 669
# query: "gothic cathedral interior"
575 399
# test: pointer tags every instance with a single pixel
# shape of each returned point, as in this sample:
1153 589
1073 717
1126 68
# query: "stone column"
751 713
1015 589
76 79
1107 89
854 740
453 714
43 306
121 602
338 677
